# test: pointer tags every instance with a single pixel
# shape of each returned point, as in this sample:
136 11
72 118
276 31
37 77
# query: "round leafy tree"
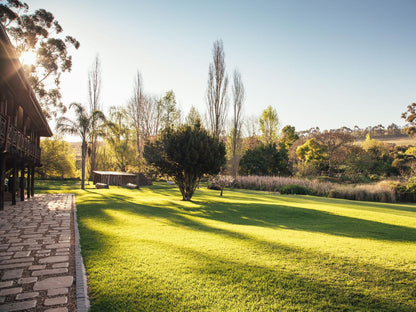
186 154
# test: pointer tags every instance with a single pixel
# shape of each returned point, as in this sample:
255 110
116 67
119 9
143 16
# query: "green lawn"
146 250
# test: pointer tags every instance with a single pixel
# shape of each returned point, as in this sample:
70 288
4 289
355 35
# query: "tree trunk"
93 165
83 155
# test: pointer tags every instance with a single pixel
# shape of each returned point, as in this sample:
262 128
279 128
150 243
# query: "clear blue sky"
320 63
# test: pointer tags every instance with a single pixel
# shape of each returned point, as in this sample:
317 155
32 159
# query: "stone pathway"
37 264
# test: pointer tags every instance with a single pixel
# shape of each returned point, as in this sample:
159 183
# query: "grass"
145 250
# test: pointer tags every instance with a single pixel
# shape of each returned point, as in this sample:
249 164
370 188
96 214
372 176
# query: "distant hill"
397 140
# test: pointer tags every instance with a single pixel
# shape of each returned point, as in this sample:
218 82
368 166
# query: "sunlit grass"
146 250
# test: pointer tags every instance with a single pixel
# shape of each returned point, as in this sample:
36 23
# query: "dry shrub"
379 192
273 184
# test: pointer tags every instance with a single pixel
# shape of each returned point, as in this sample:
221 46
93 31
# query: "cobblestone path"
37 270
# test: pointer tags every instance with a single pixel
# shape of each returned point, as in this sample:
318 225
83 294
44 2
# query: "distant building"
22 123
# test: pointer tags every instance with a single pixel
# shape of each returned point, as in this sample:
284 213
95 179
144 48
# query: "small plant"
221 181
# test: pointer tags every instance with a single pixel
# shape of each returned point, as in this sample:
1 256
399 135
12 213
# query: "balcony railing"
15 142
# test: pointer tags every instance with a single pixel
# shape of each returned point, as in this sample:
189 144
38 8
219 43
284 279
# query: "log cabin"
22 124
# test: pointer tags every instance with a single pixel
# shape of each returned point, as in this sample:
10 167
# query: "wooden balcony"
16 144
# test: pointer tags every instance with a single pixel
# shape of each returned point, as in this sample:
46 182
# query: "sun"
28 58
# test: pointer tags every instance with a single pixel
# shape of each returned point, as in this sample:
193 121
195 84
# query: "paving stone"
57 310
54 259
62 250
14 265
54 282
60 265
12 274
62 254
6 284
18 306
22 254
28 295
10 291
37 267
33 236
55 301
14 240
27 280
57 291
30 259
17 248
43 251
49 272
59 245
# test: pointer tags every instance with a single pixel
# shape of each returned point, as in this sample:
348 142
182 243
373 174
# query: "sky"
324 63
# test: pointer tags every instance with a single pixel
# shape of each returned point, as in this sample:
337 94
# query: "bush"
407 192
380 192
295 189
274 184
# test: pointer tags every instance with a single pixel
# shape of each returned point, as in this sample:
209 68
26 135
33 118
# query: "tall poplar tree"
94 92
217 101
236 136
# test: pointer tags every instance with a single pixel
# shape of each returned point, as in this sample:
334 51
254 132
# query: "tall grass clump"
275 184
379 192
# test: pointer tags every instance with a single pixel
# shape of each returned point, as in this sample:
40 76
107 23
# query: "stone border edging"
83 302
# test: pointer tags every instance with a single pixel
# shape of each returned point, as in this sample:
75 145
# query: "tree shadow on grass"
269 214
253 287
355 204
274 284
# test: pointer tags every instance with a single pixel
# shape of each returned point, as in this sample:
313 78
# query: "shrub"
380 192
407 192
295 189
274 184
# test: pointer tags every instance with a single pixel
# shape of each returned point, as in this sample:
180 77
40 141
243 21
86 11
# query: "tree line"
253 144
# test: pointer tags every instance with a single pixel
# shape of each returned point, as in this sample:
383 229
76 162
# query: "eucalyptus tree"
40 33
269 125
81 125
217 100
410 117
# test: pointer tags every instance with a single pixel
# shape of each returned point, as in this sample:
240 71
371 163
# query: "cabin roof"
115 173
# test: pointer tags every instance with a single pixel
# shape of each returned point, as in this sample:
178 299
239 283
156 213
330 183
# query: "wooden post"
14 182
28 182
2 178
22 182
32 181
